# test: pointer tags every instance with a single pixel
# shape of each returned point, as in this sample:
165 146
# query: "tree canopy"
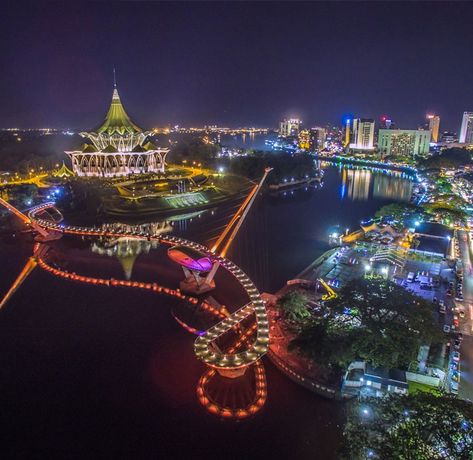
193 149
294 306
284 166
400 212
371 319
420 426
449 158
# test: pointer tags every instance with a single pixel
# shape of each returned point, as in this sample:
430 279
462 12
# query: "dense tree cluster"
371 319
191 148
294 306
449 158
33 151
285 166
401 214
419 426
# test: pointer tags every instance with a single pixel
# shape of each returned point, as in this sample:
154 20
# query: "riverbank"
295 366
336 159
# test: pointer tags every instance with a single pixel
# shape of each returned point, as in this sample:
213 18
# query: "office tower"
363 134
434 126
386 123
448 137
466 131
347 136
317 138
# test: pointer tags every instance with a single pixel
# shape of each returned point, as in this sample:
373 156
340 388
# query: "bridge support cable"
239 217
235 217
27 269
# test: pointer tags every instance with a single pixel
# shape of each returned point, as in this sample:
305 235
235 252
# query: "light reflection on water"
362 184
98 342
285 232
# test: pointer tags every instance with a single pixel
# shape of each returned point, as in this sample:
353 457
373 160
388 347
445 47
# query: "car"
455 320
441 303
451 284
434 300
456 344
456 356
449 292
461 313
446 328
459 297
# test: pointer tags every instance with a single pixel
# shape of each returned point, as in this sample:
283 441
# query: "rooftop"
117 120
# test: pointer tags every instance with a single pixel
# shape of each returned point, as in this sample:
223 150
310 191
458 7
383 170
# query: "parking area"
425 274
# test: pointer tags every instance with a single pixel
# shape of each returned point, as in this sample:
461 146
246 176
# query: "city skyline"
236 65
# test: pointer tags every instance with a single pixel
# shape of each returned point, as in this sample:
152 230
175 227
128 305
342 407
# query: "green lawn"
414 387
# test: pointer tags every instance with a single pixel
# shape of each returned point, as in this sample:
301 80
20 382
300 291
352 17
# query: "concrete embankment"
291 367
308 383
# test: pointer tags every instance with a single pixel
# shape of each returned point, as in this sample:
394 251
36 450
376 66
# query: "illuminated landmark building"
118 147
466 131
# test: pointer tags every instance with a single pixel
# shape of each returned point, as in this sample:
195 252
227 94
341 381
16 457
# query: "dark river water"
100 372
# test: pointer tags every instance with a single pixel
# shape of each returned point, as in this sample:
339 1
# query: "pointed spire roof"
117 120
127 262
63 171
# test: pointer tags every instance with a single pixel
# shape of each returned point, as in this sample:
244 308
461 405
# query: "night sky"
235 63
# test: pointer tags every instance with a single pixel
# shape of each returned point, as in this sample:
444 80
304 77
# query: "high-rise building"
304 139
363 134
466 131
347 133
449 138
312 139
317 138
291 127
434 126
406 142
386 123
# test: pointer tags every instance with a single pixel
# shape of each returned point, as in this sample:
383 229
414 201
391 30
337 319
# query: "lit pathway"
202 347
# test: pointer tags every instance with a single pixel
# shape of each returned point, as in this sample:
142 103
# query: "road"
466 323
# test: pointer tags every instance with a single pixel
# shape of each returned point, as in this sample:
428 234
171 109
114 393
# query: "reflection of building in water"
356 183
388 186
126 250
